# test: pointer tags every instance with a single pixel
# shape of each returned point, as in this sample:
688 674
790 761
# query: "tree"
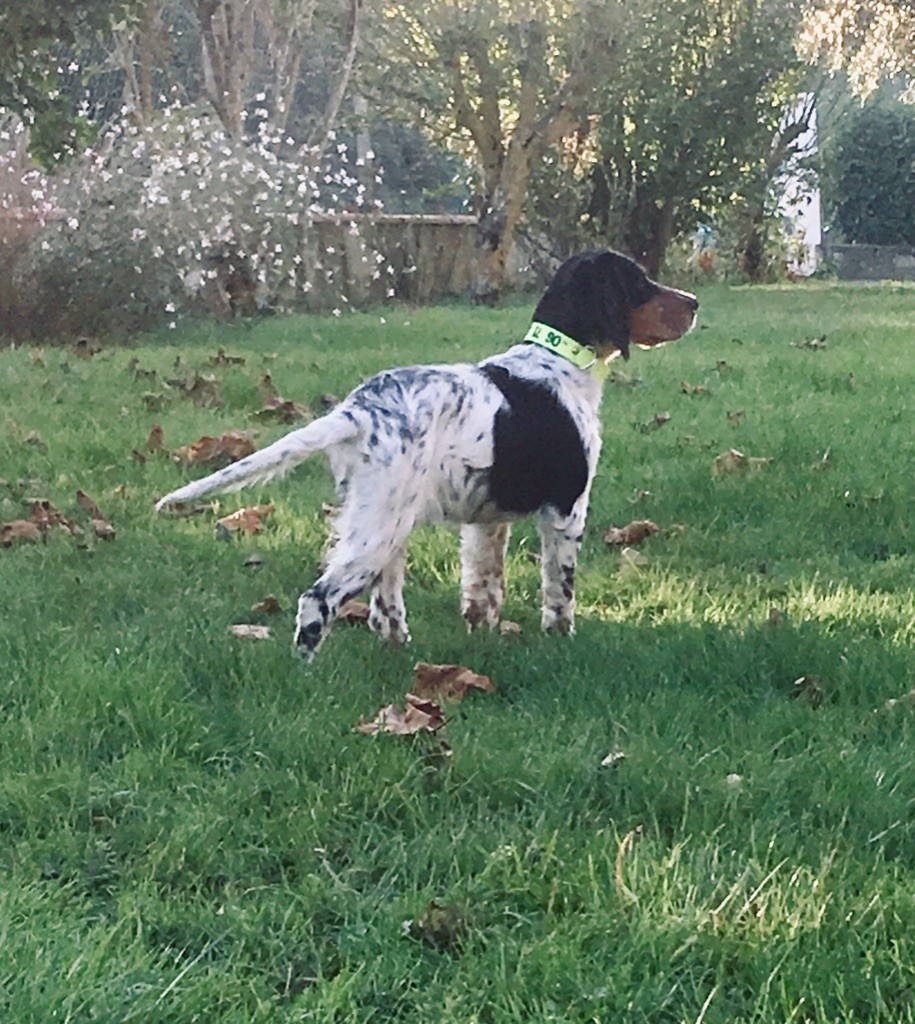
872 40
505 80
32 36
701 117
871 175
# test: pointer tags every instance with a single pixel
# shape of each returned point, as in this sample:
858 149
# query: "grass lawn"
190 829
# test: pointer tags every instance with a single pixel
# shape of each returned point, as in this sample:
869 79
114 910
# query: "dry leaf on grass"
222 359
417 716
202 390
245 520
509 628
438 926
447 682
228 447
156 440
734 461
633 533
656 421
85 502
736 418
103 529
283 410
19 531
269 606
808 689
354 612
250 632
45 515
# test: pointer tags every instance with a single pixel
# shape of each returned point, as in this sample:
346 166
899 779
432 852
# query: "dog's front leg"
388 615
560 541
483 572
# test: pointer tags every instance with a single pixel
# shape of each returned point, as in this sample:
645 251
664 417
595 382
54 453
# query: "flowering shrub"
155 221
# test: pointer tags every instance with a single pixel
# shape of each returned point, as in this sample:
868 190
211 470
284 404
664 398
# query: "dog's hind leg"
360 558
483 572
388 615
560 541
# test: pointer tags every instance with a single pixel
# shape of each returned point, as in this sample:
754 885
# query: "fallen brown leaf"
438 926
226 448
810 690
202 390
19 531
656 421
85 502
417 716
734 461
633 533
509 628
447 682
156 440
246 520
249 632
354 612
222 359
103 530
283 410
45 515
736 418
269 606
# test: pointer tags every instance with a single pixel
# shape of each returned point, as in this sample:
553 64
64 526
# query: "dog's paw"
307 639
559 622
478 613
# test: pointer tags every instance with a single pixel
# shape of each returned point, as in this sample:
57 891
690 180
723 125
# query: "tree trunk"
649 230
227 40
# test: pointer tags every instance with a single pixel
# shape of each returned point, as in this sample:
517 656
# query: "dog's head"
606 301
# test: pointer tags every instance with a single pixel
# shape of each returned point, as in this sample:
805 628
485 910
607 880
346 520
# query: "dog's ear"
611 300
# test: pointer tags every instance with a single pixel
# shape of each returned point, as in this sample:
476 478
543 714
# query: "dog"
478 445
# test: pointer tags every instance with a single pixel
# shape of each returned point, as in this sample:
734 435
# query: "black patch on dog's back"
539 458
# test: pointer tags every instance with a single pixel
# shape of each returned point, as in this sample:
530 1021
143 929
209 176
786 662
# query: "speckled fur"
418 444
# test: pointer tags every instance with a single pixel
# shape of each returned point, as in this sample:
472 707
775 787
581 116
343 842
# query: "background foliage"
871 175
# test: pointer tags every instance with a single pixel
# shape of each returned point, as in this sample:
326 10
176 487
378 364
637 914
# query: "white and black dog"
475 444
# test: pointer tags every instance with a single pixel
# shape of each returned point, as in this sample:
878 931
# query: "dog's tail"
271 462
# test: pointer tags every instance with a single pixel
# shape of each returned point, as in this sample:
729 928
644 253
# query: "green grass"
190 829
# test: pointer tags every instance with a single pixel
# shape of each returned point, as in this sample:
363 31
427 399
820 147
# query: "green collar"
579 355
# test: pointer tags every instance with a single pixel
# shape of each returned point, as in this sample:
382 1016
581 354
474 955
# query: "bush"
871 176
161 220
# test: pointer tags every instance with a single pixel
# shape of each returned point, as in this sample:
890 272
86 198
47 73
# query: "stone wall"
872 262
